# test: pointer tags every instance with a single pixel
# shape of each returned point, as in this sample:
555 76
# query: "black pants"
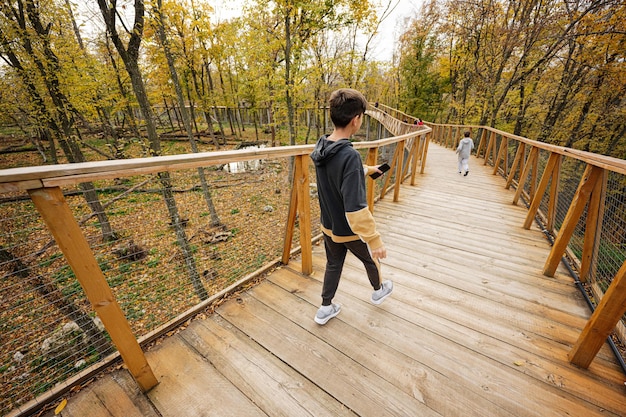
335 257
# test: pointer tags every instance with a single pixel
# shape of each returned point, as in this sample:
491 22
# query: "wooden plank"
398 325
115 396
547 359
11 187
399 367
357 387
271 384
190 386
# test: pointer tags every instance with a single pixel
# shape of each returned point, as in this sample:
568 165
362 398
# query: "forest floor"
233 202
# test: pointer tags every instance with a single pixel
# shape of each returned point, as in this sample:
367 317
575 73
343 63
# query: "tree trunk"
130 57
288 80
215 220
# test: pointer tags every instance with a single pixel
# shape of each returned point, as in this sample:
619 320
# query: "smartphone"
384 168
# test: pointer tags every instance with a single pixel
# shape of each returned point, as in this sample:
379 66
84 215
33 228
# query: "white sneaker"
325 313
383 292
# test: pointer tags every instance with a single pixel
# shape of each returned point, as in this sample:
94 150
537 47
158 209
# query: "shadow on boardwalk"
473 328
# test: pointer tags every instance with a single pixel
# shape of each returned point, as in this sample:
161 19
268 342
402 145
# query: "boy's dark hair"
467 134
345 104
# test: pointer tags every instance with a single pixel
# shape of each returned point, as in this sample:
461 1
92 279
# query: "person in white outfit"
464 151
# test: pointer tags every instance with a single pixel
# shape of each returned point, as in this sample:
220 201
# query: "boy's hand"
379 253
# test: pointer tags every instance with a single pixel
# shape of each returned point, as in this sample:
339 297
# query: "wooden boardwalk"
472 328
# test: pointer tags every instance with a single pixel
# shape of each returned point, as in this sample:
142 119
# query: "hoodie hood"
326 149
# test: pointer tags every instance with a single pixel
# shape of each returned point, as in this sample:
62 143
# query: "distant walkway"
473 328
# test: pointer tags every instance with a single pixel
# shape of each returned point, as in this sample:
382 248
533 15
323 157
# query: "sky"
381 49
389 31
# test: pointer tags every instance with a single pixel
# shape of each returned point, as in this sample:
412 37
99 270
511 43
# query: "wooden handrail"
602 161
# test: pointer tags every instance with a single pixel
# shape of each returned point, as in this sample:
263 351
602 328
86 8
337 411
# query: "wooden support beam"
424 153
602 322
416 156
300 203
481 142
399 166
554 196
534 172
593 225
517 162
61 222
490 145
304 210
532 158
500 157
372 160
581 197
505 170
553 162
291 220
494 149
410 152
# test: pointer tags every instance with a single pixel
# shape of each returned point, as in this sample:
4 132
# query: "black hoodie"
341 190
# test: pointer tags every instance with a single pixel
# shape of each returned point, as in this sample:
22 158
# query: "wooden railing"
44 186
597 204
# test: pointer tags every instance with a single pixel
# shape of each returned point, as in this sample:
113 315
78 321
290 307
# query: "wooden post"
553 162
532 157
533 176
300 203
506 157
304 210
490 145
291 220
554 196
593 225
603 320
416 156
494 149
517 161
424 153
500 156
396 189
371 159
587 184
61 222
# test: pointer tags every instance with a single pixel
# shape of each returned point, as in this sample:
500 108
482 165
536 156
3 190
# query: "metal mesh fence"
611 251
164 243
47 327
610 248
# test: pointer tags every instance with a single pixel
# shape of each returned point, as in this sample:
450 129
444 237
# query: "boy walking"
464 150
346 222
